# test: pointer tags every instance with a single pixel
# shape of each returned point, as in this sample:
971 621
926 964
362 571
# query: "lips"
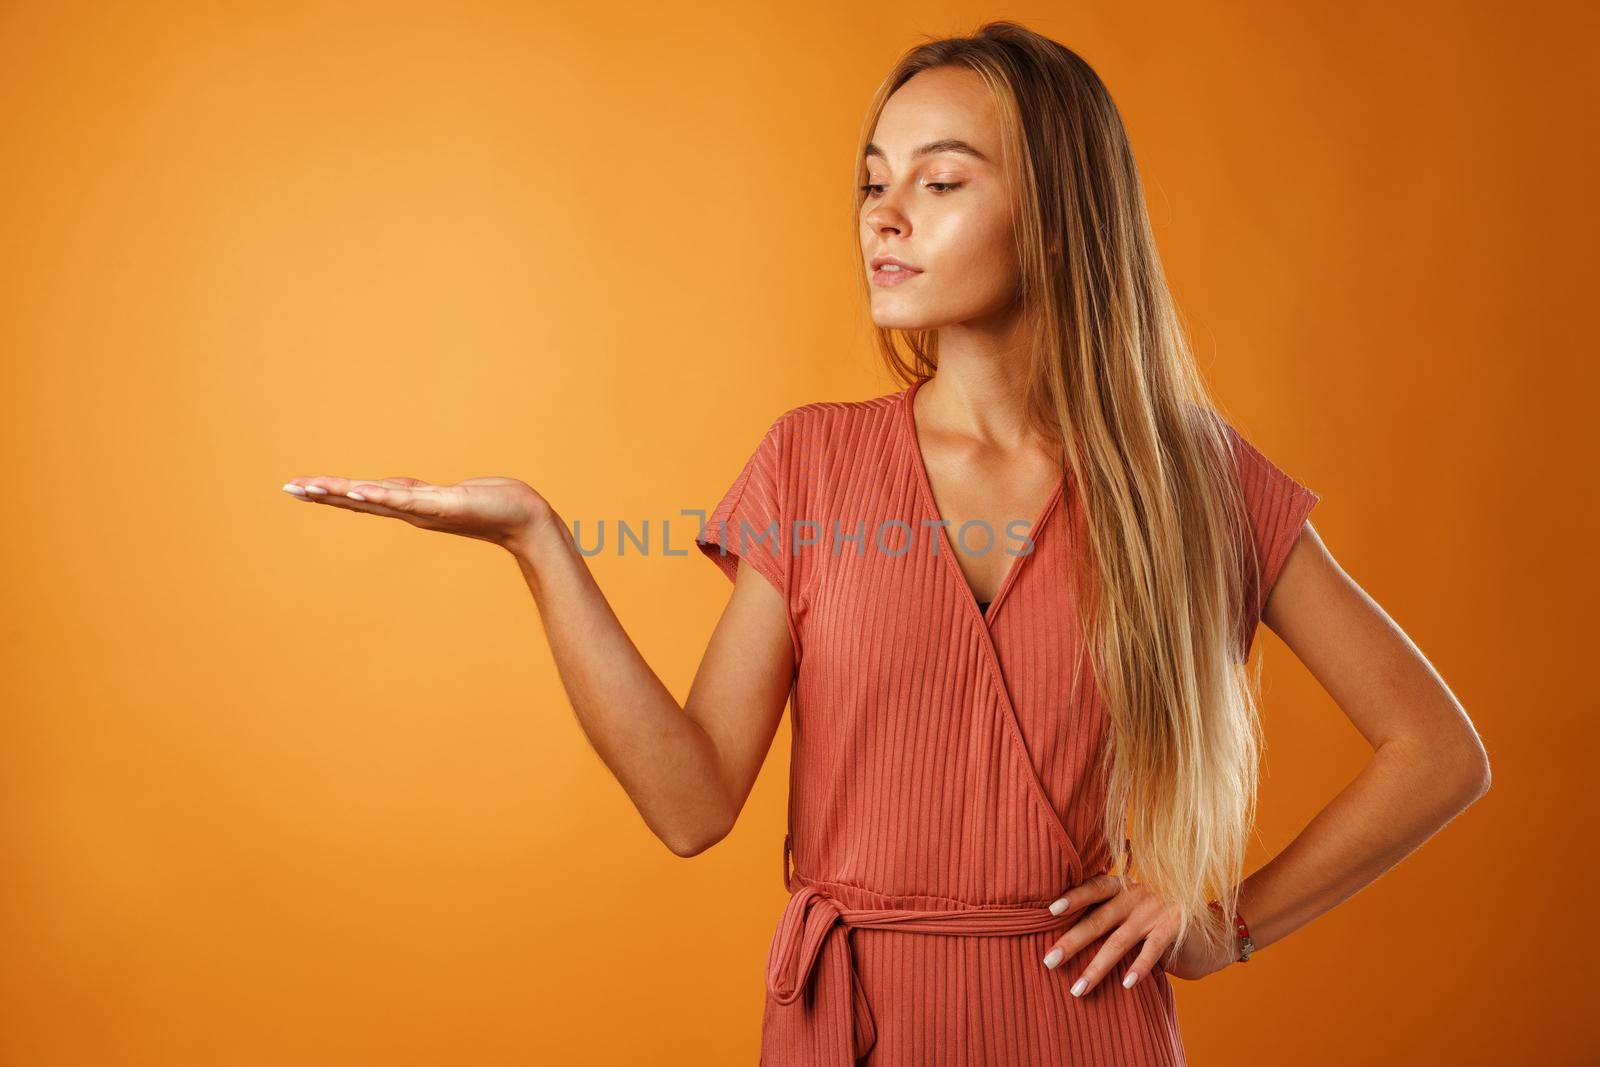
879 262
889 278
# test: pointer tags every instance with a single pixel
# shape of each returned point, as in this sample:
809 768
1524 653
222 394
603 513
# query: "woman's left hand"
1134 915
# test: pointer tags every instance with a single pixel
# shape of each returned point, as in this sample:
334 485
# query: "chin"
900 321
909 320
890 317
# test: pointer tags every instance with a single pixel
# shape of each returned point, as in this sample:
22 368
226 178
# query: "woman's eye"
875 189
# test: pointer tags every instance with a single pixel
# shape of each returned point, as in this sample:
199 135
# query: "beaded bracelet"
1246 946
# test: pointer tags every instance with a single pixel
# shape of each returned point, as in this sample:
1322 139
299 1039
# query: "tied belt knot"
811 974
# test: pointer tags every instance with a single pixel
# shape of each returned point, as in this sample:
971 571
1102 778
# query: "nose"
887 225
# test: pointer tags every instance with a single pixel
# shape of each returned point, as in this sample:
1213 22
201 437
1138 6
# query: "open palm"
498 510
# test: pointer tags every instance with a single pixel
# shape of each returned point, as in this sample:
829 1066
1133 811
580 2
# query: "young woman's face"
945 212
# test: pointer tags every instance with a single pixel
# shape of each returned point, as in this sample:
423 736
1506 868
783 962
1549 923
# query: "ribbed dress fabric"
945 782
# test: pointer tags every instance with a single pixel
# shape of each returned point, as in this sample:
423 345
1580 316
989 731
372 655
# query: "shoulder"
821 424
1258 475
817 445
1265 484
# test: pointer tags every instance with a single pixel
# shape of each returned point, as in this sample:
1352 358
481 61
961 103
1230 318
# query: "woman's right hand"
504 511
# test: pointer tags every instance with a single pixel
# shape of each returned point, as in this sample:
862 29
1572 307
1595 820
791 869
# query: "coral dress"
944 780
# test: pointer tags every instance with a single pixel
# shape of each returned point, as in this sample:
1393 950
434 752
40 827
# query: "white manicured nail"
1129 978
355 496
317 489
1079 986
1059 906
1056 956
290 487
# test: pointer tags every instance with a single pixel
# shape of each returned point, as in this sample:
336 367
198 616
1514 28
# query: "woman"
982 737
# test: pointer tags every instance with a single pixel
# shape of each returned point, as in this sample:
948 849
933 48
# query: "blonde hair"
1168 539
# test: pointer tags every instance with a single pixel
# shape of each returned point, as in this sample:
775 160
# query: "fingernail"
290 487
1079 986
1129 978
355 496
317 489
1059 906
1056 956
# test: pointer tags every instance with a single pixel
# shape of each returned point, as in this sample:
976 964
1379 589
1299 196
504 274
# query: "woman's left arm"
1428 763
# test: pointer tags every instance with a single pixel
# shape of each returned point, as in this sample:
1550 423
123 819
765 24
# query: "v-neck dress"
945 783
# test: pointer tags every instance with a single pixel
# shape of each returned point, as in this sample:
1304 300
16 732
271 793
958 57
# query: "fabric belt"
811 954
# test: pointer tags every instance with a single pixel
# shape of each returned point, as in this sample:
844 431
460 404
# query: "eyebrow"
948 144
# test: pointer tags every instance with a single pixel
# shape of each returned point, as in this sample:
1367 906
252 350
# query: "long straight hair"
1112 380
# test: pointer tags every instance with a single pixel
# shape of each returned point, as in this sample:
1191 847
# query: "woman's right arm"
687 769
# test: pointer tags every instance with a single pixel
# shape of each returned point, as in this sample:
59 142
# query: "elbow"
1482 776
1474 774
1454 768
689 847
709 821
694 842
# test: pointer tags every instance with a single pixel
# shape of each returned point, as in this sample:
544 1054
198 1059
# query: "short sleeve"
748 523
1277 506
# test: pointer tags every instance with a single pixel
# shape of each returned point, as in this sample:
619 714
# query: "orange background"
291 785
